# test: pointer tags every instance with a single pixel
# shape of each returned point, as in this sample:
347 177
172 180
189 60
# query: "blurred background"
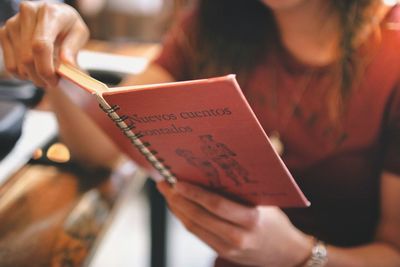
127 20
141 217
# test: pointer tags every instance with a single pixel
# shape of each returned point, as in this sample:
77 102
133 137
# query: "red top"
338 168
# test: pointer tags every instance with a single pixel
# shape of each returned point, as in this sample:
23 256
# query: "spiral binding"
143 147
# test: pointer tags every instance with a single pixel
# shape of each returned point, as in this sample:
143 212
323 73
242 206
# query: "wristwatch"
319 255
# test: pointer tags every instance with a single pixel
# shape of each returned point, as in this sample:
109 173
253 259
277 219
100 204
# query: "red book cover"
203 132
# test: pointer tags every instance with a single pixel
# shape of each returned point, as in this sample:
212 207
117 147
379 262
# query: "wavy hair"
232 37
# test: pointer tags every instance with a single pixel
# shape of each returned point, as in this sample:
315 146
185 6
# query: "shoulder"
185 20
388 61
183 31
394 14
176 55
381 62
389 51
391 24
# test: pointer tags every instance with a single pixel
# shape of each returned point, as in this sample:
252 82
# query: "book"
200 131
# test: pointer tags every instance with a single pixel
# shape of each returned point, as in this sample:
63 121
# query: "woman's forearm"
87 142
377 254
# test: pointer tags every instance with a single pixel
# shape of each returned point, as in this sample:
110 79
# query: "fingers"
8 52
214 242
12 32
44 38
33 39
233 212
222 229
74 40
27 17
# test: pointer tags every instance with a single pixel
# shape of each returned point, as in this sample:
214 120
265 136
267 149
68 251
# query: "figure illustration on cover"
204 165
219 154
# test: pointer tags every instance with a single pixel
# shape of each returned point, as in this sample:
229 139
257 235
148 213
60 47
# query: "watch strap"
319 255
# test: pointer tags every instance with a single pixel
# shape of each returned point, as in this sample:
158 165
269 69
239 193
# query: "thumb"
72 43
69 56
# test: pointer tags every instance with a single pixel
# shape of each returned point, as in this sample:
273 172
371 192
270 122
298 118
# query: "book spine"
143 147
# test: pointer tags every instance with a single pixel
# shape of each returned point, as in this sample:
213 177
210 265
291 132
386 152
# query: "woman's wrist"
301 250
317 255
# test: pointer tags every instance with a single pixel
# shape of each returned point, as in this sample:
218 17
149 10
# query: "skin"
309 29
258 236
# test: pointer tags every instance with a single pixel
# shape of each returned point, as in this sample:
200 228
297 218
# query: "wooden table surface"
54 215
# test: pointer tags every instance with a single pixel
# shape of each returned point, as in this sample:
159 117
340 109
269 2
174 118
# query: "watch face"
320 250
319 255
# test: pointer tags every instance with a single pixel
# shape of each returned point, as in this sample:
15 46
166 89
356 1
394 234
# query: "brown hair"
231 36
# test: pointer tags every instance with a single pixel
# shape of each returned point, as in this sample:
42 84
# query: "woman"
323 80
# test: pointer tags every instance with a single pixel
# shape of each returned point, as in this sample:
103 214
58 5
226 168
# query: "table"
55 215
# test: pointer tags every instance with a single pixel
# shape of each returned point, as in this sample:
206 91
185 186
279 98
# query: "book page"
81 79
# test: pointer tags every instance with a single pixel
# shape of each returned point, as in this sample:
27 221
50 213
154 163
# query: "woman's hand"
36 38
256 236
